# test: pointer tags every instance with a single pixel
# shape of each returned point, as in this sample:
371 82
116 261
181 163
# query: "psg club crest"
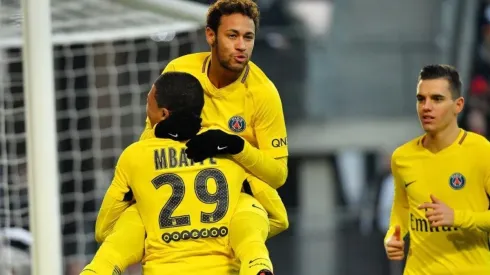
237 124
457 181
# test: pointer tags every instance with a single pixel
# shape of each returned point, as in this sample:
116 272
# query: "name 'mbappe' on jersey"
184 205
170 157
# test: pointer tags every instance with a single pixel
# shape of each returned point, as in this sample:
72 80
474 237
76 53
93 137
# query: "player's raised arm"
117 198
399 209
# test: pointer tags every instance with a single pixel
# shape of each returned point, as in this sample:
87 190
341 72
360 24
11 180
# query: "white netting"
106 56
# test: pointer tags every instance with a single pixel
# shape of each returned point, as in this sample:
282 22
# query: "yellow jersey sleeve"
270 132
116 199
269 124
400 207
469 219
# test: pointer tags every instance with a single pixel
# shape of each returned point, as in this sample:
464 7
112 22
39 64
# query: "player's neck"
436 142
219 76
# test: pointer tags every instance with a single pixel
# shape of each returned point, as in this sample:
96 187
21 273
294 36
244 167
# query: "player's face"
234 41
154 113
435 106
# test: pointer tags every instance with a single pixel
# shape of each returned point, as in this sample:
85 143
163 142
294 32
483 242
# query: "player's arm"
470 219
400 207
117 198
269 161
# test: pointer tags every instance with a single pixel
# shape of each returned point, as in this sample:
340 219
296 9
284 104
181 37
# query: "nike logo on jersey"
407 184
173 135
256 260
258 207
222 148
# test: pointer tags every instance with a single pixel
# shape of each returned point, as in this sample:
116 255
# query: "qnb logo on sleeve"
279 142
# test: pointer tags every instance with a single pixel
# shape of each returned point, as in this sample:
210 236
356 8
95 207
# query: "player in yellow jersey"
186 207
442 184
242 100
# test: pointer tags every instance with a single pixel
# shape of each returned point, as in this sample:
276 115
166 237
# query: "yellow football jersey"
249 107
459 176
186 207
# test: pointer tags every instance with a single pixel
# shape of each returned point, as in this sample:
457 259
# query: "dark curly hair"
226 7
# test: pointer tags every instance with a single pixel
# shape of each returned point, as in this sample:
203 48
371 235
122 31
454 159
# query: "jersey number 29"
220 197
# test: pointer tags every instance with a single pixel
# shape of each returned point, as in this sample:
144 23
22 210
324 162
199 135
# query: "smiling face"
233 41
436 107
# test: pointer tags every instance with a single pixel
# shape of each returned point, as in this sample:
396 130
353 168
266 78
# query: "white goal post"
40 119
74 89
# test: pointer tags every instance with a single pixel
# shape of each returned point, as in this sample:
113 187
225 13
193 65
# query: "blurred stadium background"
346 71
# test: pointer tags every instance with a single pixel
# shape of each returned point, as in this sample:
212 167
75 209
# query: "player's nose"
427 106
240 45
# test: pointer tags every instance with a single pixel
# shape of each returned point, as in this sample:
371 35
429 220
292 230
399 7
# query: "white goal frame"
40 110
42 154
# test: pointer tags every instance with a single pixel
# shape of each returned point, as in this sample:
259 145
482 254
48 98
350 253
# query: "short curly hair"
179 92
226 7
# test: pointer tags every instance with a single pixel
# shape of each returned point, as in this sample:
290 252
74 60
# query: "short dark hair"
443 71
179 92
227 7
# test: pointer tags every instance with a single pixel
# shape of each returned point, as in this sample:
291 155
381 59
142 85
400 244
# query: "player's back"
457 175
186 207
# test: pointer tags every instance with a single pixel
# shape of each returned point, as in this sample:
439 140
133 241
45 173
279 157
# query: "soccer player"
186 207
242 100
442 183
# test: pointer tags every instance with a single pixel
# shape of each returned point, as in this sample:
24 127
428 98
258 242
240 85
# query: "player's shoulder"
407 148
471 138
191 63
258 82
151 143
476 142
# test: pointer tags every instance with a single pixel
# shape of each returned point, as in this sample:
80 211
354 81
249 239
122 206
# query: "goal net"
106 55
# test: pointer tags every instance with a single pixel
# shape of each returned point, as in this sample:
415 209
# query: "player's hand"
212 143
395 246
438 213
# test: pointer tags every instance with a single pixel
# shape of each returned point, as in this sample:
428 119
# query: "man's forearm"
469 219
110 211
399 217
270 170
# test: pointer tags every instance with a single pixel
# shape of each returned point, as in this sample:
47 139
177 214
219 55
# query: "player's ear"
459 104
165 113
210 36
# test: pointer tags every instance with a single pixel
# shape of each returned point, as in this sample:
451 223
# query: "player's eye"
232 36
